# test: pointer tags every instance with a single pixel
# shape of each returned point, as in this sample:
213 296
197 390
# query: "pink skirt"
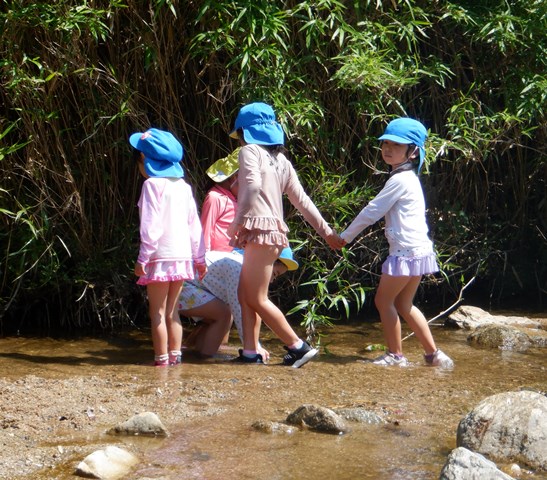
172 271
410 266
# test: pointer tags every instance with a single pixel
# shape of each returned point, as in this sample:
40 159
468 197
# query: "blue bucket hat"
406 131
257 120
162 153
287 258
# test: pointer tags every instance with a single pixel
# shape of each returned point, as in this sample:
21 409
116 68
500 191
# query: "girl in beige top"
265 174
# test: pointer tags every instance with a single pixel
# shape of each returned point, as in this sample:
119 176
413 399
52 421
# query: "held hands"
335 241
201 269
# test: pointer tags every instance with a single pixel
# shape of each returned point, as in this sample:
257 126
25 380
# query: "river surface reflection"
423 405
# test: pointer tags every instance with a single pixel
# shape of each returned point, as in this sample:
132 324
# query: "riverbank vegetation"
77 77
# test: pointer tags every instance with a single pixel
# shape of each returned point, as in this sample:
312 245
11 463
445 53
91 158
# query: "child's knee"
170 319
226 320
381 302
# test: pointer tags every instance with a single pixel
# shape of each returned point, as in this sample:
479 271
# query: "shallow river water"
423 405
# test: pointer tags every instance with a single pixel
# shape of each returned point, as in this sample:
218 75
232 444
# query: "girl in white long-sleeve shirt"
411 254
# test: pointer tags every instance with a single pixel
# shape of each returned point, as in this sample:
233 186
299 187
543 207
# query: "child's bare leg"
157 304
174 325
218 319
413 316
253 294
252 335
387 292
225 338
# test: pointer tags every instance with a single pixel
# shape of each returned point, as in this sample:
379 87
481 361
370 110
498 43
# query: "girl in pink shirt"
265 175
219 207
171 239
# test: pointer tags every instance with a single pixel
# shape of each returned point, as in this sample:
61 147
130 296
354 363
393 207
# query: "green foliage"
331 293
332 284
76 78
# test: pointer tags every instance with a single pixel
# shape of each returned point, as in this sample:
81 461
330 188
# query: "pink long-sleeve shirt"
217 213
170 228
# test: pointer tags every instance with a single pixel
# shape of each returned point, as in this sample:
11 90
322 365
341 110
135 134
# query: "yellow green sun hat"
224 167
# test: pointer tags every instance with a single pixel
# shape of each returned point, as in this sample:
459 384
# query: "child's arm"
201 269
139 270
302 202
151 228
375 210
196 238
233 229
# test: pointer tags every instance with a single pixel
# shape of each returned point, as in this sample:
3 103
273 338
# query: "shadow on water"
53 352
422 405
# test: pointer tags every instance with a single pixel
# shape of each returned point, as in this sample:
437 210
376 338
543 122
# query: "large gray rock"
147 423
508 427
318 418
463 464
469 318
108 464
500 336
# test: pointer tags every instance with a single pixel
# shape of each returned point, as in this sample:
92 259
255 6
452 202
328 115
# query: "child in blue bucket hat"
258 125
407 131
411 254
265 175
171 240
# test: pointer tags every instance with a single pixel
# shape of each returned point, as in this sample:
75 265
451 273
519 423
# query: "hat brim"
134 139
224 168
219 177
264 134
289 263
396 139
155 168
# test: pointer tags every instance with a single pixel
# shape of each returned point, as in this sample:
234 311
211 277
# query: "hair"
137 155
275 149
412 148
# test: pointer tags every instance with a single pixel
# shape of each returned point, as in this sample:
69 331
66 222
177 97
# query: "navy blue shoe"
243 359
296 358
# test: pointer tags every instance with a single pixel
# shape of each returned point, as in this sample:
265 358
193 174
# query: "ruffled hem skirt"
410 266
169 271
261 237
